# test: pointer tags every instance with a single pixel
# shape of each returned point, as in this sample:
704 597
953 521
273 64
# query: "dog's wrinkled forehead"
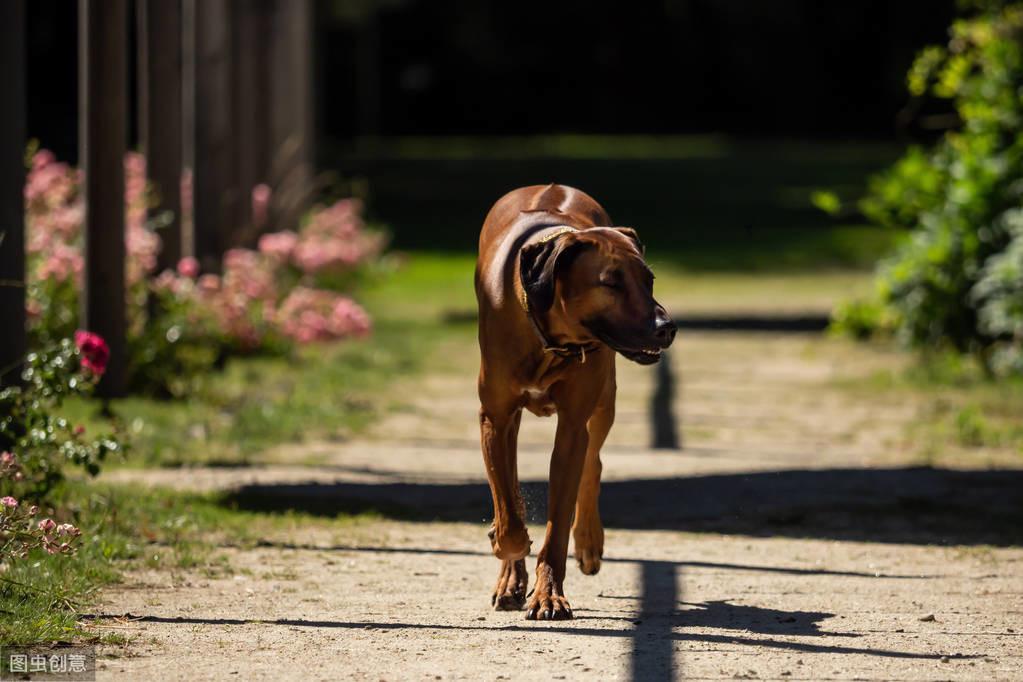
540 262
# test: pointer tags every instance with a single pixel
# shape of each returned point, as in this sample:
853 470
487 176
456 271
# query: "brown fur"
588 288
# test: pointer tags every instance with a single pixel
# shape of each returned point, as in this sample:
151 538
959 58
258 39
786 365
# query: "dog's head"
595 284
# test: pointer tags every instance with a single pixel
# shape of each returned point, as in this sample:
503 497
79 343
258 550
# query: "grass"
44 598
714 212
319 393
711 202
966 418
331 393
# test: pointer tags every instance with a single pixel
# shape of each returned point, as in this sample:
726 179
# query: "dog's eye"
612 279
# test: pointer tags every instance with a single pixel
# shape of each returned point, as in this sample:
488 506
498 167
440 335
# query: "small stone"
944 659
929 618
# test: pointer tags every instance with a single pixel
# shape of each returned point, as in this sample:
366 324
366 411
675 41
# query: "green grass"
240 415
43 598
711 202
319 393
713 211
966 417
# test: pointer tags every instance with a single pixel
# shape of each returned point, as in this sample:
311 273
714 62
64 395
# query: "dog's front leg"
548 601
499 430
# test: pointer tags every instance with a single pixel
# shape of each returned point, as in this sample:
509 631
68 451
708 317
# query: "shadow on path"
663 618
906 505
606 560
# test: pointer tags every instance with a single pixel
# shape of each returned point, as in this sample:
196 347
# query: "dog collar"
571 350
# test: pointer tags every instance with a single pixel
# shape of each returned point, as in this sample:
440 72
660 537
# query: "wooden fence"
225 94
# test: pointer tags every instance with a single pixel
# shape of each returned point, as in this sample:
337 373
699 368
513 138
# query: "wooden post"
292 110
665 429
367 64
103 75
160 113
254 25
188 125
12 181
215 192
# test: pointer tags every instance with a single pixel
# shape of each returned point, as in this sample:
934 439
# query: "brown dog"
558 294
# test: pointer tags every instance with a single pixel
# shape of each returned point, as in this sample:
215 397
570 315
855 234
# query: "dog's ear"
631 234
539 264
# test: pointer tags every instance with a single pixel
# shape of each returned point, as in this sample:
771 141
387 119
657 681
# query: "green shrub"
955 283
33 428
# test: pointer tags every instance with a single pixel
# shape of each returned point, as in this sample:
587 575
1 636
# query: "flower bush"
182 322
31 426
956 281
21 531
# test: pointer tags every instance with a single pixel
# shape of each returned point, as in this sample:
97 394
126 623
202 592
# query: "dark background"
746 67
780 97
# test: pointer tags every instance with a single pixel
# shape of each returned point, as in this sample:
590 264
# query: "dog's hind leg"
588 531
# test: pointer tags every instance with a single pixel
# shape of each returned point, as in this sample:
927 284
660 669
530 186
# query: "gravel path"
795 537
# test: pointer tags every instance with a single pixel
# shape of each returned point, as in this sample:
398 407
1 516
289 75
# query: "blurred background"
737 110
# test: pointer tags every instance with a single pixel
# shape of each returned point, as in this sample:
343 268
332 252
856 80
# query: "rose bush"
20 531
182 322
30 423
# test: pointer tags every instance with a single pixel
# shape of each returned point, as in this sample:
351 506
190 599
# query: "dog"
560 291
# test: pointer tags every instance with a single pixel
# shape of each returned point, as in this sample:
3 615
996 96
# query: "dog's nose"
664 330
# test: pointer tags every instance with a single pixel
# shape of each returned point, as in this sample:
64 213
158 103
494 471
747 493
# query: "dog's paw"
510 592
548 600
548 607
589 546
588 560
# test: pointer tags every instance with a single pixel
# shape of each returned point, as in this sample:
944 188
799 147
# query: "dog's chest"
538 401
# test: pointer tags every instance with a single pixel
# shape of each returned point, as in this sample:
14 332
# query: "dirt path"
789 540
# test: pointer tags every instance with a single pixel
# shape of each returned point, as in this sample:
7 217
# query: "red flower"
94 350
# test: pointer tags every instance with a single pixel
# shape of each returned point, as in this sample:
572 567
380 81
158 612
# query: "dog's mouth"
627 348
643 356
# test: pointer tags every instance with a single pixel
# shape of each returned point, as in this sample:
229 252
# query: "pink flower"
46 525
261 204
8 502
7 459
94 350
79 430
278 244
209 283
188 267
33 510
309 315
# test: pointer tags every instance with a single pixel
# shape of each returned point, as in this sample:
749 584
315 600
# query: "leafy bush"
998 297
31 426
955 281
181 324
20 532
